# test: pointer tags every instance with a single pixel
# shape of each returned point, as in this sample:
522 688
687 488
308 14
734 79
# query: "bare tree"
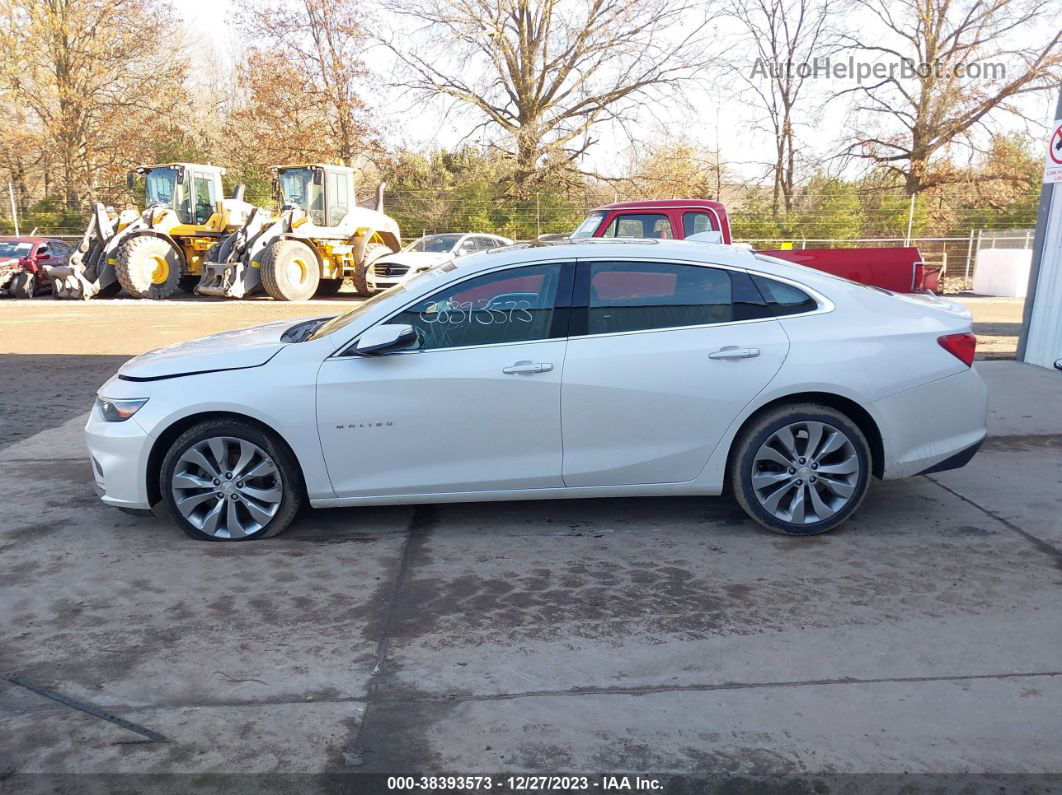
953 67
305 71
544 73
95 75
787 36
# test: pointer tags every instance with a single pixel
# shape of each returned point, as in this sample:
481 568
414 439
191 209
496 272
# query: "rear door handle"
734 352
527 368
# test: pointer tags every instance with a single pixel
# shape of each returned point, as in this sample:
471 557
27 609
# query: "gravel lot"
655 636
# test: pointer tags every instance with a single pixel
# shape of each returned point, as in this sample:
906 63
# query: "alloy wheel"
805 472
227 487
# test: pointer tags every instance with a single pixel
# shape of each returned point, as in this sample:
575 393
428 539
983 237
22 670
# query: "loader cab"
191 190
325 192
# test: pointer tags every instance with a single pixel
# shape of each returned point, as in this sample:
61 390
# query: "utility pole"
14 209
910 219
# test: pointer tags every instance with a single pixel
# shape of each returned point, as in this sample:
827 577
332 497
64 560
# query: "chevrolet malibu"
584 369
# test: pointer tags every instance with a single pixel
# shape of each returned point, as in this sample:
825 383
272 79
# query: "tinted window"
514 305
642 225
693 223
785 299
336 187
628 296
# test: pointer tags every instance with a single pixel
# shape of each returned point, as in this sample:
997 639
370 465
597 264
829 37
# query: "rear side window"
785 299
638 296
650 225
695 223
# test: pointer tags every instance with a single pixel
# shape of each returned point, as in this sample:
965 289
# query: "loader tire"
373 252
290 271
148 267
23 285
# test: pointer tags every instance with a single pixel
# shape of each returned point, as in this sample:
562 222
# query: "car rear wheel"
228 480
801 469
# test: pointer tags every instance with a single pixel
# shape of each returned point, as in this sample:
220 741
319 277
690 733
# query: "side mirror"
43 257
385 338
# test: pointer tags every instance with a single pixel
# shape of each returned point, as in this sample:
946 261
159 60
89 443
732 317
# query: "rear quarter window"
784 299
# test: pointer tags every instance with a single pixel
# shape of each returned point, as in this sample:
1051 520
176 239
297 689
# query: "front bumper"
119 454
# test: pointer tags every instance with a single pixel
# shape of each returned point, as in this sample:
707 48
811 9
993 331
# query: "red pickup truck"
898 269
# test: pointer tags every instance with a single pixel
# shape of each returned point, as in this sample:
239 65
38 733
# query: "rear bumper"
957 461
940 424
119 453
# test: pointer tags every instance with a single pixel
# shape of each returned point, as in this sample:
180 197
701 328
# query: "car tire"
261 496
329 287
24 285
290 271
373 252
800 469
148 267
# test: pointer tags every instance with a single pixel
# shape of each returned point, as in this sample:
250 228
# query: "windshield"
434 244
336 323
14 248
162 188
589 225
298 189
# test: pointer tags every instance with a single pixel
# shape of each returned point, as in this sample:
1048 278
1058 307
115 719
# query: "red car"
898 269
21 258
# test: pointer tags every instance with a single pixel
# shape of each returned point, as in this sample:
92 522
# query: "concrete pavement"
662 636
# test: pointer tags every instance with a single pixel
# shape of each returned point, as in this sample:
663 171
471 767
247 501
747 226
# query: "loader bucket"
232 271
87 272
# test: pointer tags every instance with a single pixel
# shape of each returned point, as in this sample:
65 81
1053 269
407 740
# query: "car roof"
665 204
31 239
641 249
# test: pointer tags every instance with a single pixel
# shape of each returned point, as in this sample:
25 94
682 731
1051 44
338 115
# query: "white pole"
910 220
969 256
14 210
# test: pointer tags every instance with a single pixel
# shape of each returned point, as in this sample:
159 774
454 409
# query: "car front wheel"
228 480
801 469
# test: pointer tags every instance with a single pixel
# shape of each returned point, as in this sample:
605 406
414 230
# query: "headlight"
119 410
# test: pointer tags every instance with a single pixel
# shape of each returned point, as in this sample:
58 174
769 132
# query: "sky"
713 117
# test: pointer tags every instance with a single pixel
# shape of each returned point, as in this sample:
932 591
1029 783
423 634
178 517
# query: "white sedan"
425 253
585 369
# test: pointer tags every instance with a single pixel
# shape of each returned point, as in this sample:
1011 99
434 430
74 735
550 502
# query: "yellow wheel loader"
320 238
155 253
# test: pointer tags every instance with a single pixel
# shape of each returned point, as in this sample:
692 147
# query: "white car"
584 369
425 253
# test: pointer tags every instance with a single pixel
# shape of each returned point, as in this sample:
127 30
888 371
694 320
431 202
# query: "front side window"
515 305
162 188
651 225
637 296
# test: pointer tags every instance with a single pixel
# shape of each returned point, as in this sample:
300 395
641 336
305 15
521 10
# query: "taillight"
961 346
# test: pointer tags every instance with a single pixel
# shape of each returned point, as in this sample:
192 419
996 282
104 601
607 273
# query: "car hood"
416 259
230 350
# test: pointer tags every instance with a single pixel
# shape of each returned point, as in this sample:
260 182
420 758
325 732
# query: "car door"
476 407
662 357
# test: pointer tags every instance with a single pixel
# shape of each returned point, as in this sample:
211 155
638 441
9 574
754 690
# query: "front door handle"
734 352
528 368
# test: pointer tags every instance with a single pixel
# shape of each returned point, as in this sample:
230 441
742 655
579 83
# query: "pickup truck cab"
899 269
